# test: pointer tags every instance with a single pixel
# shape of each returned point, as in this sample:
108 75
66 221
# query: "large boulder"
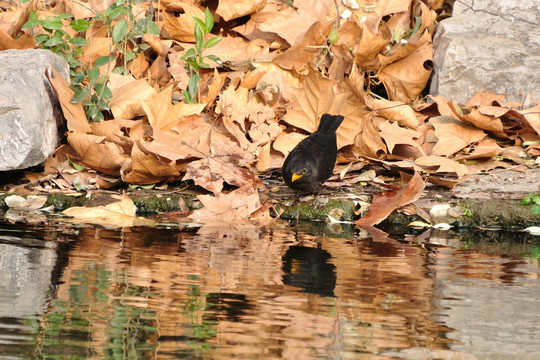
488 44
29 111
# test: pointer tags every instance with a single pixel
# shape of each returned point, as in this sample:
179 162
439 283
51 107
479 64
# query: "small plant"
57 39
194 58
127 32
89 84
533 200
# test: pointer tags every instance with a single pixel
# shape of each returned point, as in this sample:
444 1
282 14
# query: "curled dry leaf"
97 153
181 27
441 164
74 113
117 214
126 101
29 203
384 203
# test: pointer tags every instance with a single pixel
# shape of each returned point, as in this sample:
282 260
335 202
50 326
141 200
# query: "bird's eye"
303 171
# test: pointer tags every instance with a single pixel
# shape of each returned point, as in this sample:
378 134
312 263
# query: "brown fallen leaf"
453 135
441 164
232 9
393 134
97 153
222 208
74 113
405 79
319 96
161 112
117 214
126 101
383 204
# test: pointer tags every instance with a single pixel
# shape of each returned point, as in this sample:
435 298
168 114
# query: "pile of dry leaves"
283 66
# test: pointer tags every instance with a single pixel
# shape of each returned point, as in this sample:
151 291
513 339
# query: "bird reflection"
309 269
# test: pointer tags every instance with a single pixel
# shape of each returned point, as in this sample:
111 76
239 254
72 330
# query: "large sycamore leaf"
126 101
232 9
404 80
181 27
320 96
237 205
370 44
147 168
300 56
117 214
453 135
395 111
384 203
190 138
291 23
393 134
227 162
441 164
98 153
161 112
74 113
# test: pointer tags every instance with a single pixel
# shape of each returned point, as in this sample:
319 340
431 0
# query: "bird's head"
300 171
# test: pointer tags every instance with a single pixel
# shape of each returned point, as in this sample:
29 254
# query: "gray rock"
29 111
488 44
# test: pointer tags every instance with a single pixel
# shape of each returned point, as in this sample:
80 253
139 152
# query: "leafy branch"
194 58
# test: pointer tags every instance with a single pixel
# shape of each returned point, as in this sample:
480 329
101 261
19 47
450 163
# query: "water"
286 292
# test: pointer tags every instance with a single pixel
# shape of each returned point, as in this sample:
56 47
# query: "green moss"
494 213
158 204
308 211
62 202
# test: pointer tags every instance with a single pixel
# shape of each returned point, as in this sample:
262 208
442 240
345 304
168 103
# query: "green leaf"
193 85
78 41
199 38
130 55
193 63
32 22
151 28
213 42
55 40
191 53
215 58
53 23
104 91
114 11
41 38
209 20
78 78
103 60
120 30
80 25
203 65
80 95
93 75
187 97
64 16
200 23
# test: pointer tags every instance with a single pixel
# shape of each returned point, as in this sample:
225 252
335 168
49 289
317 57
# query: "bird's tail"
329 123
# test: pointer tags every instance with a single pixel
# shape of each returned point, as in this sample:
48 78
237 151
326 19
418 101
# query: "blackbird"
312 161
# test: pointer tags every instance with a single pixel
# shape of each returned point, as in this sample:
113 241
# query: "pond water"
287 292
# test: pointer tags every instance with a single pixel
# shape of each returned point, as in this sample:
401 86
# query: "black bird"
312 161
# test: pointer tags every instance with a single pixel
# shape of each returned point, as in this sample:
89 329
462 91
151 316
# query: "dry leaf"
383 204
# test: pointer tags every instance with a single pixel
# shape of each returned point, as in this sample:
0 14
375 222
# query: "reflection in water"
308 268
252 293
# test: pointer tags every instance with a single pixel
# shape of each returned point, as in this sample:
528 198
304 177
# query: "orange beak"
296 176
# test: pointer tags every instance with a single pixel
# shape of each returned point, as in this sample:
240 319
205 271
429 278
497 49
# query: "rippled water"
288 292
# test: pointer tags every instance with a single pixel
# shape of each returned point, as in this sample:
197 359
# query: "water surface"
283 292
